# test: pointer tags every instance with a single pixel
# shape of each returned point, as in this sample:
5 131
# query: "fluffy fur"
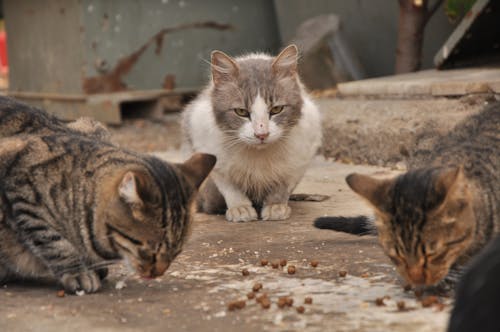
261 155
71 204
434 218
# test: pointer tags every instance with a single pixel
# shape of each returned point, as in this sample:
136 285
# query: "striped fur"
434 218
71 204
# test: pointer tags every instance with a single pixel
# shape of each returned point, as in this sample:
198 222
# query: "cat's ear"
128 189
286 62
224 68
197 168
375 191
453 186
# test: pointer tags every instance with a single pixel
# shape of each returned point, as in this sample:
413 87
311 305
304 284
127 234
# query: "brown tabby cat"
444 210
71 204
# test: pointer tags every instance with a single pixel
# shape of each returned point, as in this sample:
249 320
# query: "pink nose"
262 136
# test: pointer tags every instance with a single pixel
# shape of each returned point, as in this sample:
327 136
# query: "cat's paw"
241 213
276 212
88 281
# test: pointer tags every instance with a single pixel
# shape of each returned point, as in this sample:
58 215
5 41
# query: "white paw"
241 213
88 281
276 212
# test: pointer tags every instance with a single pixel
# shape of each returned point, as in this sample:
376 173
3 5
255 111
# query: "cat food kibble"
236 305
265 303
301 309
275 265
261 298
257 287
407 288
291 269
245 272
401 305
264 262
342 274
283 262
379 301
285 301
418 293
314 263
60 293
308 300
429 301
251 295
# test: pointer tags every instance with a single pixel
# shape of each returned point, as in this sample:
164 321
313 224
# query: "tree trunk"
412 19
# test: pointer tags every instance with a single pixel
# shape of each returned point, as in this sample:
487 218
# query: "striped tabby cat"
71 204
444 210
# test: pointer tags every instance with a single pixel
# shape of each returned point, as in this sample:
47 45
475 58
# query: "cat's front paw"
241 214
276 212
88 281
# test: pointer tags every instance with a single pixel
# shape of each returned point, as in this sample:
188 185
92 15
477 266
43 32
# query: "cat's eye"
242 112
276 110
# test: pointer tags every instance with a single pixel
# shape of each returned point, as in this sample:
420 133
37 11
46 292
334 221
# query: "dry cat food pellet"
314 263
401 305
308 300
419 293
251 295
283 262
265 303
236 305
429 301
281 302
291 269
342 274
245 272
407 288
261 298
257 287
379 301
264 262
60 293
275 265
301 309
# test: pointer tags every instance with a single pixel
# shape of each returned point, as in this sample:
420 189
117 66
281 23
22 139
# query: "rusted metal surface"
112 81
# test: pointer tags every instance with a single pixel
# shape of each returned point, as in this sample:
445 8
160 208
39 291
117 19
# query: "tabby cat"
443 210
71 204
256 117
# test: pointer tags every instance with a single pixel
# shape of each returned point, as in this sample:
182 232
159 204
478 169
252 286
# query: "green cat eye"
242 112
276 110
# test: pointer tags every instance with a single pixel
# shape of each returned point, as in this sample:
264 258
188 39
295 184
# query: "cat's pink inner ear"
128 189
286 62
375 191
224 68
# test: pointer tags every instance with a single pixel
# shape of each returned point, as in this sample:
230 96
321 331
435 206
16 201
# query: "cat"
431 220
71 204
17 118
477 297
257 119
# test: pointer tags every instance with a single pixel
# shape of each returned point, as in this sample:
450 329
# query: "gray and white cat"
257 118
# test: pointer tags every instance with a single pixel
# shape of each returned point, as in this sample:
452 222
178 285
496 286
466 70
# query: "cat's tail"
360 225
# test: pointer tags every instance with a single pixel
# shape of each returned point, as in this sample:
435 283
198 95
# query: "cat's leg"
57 254
275 205
210 200
239 206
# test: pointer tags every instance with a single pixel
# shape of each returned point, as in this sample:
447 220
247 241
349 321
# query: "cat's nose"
262 136
416 275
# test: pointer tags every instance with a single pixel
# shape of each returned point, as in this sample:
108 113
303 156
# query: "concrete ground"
194 293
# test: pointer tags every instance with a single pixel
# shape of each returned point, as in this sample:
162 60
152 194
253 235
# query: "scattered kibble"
407 288
264 262
429 301
261 298
236 305
301 309
265 303
418 293
257 287
275 264
285 301
61 293
314 263
308 300
251 295
245 272
401 305
342 274
291 269
283 262
379 301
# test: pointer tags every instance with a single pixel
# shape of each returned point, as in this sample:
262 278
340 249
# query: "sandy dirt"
194 293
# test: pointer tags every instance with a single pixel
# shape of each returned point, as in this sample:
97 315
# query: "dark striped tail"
360 225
